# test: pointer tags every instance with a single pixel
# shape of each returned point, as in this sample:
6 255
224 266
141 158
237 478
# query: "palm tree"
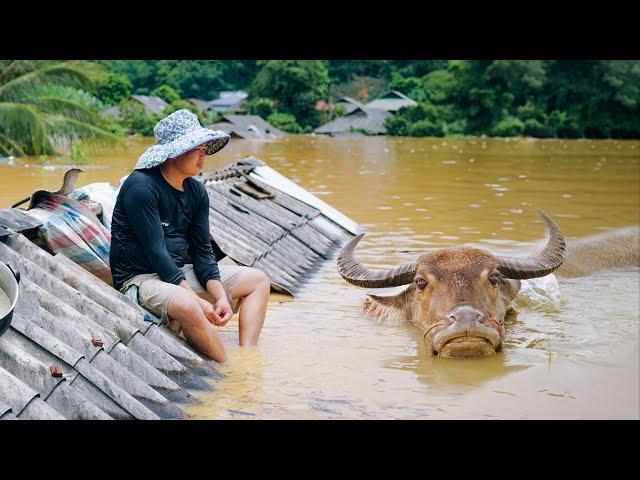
33 121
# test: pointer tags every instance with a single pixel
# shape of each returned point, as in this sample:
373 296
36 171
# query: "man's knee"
185 308
261 277
251 280
261 280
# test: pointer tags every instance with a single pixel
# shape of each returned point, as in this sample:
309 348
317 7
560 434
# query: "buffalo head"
457 296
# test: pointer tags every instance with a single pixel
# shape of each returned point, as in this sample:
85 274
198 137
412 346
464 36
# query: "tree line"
42 102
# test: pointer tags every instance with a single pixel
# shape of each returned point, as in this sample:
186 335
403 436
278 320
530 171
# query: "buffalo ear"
391 310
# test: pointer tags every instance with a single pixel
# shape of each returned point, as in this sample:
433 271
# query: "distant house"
202 105
230 102
151 104
112 112
348 103
360 121
246 126
392 101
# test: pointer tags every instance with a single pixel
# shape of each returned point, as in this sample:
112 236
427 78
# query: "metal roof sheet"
138 368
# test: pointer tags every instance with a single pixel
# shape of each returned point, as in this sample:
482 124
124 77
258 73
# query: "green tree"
190 78
294 85
285 122
338 111
508 127
32 121
263 107
113 88
136 120
180 104
413 87
421 120
166 93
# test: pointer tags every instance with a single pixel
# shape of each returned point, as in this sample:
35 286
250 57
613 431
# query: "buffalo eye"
494 279
421 283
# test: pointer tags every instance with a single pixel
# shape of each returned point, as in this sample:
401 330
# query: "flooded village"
287 202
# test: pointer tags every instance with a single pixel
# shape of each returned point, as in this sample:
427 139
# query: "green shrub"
529 111
178 105
534 128
166 93
113 88
422 120
263 107
285 122
426 128
115 128
136 120
455 128
564 124
338 111
398 126
508 127
211 116
78 153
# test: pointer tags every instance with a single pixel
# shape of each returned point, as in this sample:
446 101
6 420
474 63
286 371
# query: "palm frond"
26 126
9 147
73 73
11 69
68 108
69 129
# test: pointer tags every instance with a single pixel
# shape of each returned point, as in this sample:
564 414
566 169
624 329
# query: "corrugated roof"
202 105
228 101
273 231
115 360
247 126
151 103
349 103
391 101
368 119
137 369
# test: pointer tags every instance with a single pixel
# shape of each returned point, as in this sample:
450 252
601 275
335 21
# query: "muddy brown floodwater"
319 357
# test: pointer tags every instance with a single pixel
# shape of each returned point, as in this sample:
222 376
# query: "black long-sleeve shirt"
155 228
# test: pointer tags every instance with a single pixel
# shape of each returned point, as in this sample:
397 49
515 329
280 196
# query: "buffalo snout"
467 332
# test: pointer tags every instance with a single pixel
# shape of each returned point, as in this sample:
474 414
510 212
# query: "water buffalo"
459 296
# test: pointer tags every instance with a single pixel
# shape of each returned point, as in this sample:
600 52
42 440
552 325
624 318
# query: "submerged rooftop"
78 349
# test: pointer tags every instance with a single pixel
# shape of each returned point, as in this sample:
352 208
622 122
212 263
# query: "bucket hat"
177 134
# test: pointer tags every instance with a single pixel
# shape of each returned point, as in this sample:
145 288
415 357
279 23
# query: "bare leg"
254 286
185 308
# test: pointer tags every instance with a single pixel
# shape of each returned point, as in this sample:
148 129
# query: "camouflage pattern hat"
177 134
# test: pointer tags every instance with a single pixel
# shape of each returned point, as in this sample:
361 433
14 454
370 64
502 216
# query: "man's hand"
209 311
223 310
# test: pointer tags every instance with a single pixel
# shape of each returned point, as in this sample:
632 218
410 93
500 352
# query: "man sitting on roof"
161 218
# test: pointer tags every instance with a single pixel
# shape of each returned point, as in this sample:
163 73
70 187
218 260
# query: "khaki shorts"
155 295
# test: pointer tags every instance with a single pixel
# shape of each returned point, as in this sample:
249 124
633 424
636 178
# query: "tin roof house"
231 102
348 103
361 120
391 101
151 103
246 126
202 105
